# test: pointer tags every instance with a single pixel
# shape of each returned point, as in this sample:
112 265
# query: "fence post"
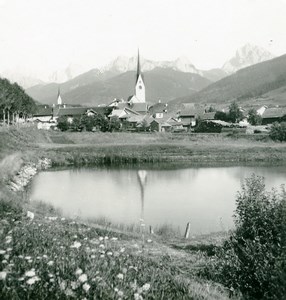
187 232
151 231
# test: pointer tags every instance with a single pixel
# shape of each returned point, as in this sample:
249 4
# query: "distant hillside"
247 83
93 88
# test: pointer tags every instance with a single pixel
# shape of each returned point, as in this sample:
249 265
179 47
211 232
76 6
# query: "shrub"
253 260
278 131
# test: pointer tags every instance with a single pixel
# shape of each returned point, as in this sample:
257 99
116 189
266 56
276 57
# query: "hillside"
92 88
248 83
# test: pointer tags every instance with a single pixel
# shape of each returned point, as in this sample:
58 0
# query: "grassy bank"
44 256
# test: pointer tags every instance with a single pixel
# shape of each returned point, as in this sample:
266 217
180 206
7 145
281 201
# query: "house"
122 114
207 116
275 114
189 117
44 113
134 122
160 126
158 110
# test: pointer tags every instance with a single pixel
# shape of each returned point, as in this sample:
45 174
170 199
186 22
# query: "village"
135 114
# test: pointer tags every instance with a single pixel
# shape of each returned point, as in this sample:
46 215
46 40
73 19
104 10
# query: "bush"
253 260
278 131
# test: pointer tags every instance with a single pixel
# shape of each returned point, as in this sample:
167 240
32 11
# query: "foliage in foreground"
278 131
253 260
55 258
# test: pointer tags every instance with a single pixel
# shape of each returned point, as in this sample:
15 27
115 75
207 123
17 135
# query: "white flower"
149 241
74 285
120 276
30 215
50 263
100 238
76 245
3 275
114 239
109 253
86 287
120 293
32 280
124 270
101 246
78 271
30 273
106 237
122 250
82 278
2 251
146 287
62 219
137 297
92 256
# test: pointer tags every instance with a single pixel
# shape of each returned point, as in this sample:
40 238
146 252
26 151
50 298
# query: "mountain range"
264 82
165 80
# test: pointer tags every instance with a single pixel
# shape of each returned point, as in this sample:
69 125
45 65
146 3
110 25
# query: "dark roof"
103 110
275 112
158 108
190 112
71 111
208 116
43 110
140 107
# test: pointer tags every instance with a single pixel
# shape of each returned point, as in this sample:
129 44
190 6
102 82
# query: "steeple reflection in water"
142 179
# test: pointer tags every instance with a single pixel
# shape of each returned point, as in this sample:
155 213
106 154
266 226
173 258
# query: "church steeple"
138 66
139 86
59 101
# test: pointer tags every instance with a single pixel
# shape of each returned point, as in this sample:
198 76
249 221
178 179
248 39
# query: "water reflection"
142 179
203 196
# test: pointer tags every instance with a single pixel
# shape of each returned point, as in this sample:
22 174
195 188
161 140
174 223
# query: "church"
139 96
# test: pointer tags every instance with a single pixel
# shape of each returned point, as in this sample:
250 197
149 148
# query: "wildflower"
20 256
149 241
106 237
45 256
109 253
52 280
30 273
6 256
50 263
74 285
69 292
62 219
78 271
30 215
92 256
120 293
122 250
120 276
137 297
21 279
82 278
146 287
4 261
3 275
28 257
124 270
101 246
63 285
76 245
86 287
32 280
2 251
100 238
114 239
102 256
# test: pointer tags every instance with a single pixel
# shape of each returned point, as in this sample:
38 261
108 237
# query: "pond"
203 196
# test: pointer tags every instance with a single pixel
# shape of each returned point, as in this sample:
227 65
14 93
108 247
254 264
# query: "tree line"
14 102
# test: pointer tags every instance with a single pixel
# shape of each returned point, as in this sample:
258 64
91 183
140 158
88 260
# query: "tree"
278 131
253 259
235 114
221 115
254 118
114 124
63 123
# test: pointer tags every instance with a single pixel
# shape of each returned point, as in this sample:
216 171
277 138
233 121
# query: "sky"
46 35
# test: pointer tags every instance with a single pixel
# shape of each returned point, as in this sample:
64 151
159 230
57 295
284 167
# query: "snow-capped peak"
246 56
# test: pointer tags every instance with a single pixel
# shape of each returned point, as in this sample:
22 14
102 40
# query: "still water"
203 196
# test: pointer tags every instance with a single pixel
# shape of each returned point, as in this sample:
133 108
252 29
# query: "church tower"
59 101
139 86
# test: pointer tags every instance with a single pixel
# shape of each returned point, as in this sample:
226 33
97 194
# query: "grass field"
44 256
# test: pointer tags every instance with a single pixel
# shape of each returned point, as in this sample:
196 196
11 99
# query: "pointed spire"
138 65
60 102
